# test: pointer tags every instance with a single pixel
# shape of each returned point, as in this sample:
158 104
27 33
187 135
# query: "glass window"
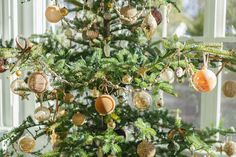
230 18
190 21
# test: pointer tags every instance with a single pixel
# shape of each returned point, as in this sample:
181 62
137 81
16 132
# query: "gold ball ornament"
64 11
78 119
105 104
53 14
127 79
42 114
26 144
230 148
146 149
168 75
38 82
229 89
19 87
111 124
68 98
18 73
142 100
204 80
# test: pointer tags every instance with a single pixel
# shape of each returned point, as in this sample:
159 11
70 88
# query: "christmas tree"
97 82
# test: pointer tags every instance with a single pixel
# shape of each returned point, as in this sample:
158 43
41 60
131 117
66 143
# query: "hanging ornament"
26 144
142 100
90 34
230 148
128 14
64 11
38 82
53 14
229 89
42 114
157 15
95 93
146 149
149 25
107 50
105 104
78 119
111 124
179 72
204 80
127 79
18 73
68 98
19 87
168 75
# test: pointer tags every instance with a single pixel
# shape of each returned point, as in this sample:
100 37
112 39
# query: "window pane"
188 101
230 18
190 21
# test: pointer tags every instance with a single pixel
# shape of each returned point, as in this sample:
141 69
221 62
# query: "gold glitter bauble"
230 148
26 144
229 89
42 114
53 14
146 149
78 119
142 100
38 82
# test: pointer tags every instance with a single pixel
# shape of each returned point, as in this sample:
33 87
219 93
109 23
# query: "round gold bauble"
26 144
146 149
78 119
204 80
127 79
230 148
64 11
68 98
229 88
111 124
18 73
53 14
105 104
38 82
142 100
42 114
19 87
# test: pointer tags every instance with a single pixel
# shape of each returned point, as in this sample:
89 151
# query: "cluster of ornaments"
54 13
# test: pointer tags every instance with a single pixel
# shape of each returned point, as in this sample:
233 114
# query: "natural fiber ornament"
146 149
38 82
42 114
128 14
53 14
204 80
90 34
168 75
105 104
157 15
149 25
78 119
127 79
26 144
229 89
68 98
19 87
142 100
230 148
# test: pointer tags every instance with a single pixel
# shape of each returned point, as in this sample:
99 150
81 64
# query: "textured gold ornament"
105 104
229 88
146 149
142 100
53 14
18 73
26 144
38 82
64 11
78 119
127 79
68 98
42 114
230 148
